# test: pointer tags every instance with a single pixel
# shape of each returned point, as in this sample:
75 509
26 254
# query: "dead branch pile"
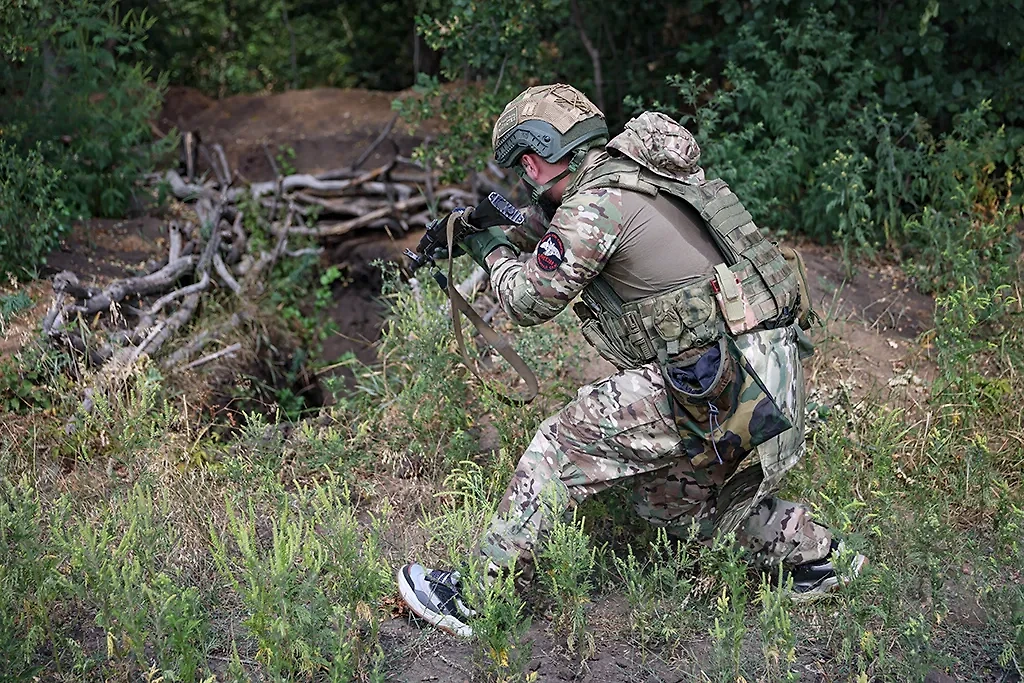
115 326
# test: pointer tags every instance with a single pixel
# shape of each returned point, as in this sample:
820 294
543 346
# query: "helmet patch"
550 252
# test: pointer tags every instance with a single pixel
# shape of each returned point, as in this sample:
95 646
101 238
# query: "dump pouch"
721 408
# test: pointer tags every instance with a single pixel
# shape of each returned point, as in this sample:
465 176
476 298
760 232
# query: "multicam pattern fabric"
659 143
721 409
588 228
621 429
563 106
525 236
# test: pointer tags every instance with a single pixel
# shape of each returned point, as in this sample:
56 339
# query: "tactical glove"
440 251
479 244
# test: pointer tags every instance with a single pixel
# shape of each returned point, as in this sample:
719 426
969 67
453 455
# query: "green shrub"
566 563
84 92
32 214
311 589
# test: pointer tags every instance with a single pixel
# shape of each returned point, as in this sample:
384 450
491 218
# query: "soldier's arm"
581 238
525 236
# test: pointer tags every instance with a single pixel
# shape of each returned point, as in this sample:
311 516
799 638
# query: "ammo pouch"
631 334
719 404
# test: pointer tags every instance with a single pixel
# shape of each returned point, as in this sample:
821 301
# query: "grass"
141 545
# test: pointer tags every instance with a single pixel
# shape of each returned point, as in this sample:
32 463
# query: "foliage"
11 305
778 640
33 215
565 564
225 48
34 378
468 111
85 95
846 168
309 589
499 628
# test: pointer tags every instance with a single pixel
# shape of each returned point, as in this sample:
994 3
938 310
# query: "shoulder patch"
550 252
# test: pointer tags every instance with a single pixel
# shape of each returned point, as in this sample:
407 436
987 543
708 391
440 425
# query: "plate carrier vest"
663 325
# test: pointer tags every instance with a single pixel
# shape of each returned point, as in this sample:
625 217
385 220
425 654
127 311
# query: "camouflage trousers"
621 430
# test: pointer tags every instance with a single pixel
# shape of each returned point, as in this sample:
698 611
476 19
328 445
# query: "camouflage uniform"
610 232
622 428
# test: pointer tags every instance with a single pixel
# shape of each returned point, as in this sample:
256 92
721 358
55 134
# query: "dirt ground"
878 318
326 128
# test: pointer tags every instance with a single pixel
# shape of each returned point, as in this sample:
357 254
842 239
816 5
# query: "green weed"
729 625
778 639
310 586
663 590
502 654
566 564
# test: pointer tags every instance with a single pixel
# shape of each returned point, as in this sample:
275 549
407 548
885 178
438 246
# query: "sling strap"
490 335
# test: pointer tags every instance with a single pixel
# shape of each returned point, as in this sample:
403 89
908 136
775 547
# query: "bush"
78 91
225 48
805 137
32 214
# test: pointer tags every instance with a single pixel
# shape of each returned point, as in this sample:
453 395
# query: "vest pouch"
719 404
608 348
805 314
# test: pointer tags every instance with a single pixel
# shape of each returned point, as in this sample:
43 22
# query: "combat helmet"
551 121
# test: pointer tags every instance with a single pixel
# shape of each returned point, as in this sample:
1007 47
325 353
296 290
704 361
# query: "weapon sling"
486 331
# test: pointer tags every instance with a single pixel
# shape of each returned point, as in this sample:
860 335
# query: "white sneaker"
435 596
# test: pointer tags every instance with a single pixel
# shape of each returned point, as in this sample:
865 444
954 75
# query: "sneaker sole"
442 621
828 586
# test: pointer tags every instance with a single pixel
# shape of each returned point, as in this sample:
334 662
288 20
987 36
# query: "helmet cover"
550 120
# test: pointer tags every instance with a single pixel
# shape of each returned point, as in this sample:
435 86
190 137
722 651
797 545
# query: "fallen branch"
225 275
226 351
312 183
174 237
476 281
178 293
336 229
140 286
201 339
226 180
239 241
309 251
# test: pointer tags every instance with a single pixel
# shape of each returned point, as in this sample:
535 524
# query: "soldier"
702 315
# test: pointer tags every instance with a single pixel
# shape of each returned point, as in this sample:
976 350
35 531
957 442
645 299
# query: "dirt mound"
325 128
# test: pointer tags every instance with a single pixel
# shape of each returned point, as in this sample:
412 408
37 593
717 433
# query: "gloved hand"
479 244
440 252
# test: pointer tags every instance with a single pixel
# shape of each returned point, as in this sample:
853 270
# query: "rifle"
493 211
439 240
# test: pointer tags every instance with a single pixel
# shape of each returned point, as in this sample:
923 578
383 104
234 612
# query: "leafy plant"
729 625
85 100
498 629
778 640
33 215
566 564
310 589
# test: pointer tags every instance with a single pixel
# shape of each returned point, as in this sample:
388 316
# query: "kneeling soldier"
702 315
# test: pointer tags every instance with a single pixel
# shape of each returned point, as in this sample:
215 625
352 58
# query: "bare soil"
326 128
